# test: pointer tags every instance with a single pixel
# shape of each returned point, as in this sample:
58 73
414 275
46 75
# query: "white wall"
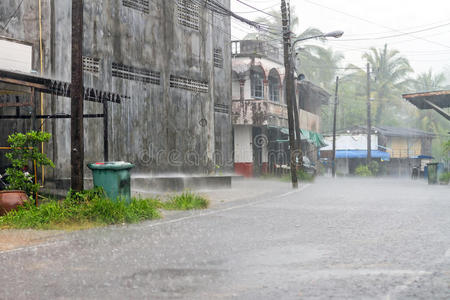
243 148
351 142
15 56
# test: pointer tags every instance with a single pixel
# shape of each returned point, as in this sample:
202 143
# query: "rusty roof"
439 98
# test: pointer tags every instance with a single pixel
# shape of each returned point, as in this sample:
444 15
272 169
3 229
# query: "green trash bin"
114 178
432 173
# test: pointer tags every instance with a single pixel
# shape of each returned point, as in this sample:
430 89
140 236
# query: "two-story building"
259 111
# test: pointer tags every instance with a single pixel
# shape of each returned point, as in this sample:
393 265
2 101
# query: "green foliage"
25 151
82 207
304 176
374 168
363 171
186 201
444 178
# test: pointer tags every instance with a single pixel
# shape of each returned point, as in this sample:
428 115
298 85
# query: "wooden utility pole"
333 162
289 89
77 98
369 125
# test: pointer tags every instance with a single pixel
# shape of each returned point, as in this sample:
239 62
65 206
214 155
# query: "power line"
257 9
373 23
12 16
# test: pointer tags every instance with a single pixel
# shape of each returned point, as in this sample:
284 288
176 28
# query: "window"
139 5
91 64
218 58
274 86
188 14
136 74
235 47
189 84
257 85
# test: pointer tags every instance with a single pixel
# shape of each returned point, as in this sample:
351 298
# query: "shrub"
186 201
374 168
304 176
24 152
444 178
363 171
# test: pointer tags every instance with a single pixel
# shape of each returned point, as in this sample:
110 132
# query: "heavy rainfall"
224 149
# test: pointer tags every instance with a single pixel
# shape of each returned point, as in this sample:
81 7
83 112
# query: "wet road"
372 239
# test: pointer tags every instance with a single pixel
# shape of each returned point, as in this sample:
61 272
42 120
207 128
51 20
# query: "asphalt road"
334 239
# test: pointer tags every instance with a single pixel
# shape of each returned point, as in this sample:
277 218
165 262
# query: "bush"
374 168
24 153
444 178
304 176
363 171
186 201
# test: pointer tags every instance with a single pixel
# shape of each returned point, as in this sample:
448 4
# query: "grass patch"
81 210
186 201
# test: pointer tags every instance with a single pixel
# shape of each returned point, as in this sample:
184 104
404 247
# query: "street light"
335 34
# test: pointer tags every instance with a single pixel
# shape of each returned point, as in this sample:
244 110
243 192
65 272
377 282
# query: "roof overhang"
437 101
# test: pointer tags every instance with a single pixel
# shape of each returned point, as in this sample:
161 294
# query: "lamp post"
334 34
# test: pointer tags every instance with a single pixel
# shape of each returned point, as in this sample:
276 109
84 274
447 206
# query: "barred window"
274 86
140 5
136 74
189 84
91 64
218 58
188 14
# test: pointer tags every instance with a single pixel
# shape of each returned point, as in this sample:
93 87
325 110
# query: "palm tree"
390 71
319 65
427 81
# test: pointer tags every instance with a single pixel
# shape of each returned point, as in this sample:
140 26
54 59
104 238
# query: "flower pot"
9 200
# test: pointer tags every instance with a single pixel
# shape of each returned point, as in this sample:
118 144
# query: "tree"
390 71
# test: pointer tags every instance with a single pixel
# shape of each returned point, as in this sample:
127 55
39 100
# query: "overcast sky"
376 20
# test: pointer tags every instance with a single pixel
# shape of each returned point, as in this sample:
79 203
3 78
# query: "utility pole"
369 125
298 150
333 163
77 98
289 89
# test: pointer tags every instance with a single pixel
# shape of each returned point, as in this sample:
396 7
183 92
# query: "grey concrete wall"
160 128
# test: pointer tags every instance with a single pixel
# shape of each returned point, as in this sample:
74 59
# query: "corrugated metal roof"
439 98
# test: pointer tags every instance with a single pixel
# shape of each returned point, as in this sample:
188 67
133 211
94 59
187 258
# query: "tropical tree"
390 73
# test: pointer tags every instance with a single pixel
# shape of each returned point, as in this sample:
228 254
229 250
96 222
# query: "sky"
420 30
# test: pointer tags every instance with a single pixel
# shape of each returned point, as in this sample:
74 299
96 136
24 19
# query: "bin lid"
111 165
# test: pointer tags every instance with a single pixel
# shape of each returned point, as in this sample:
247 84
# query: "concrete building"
259 110
170 58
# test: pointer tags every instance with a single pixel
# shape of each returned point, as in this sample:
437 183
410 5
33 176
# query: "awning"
312 137
362 154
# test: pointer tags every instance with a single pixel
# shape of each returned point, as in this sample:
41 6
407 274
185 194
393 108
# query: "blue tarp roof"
362 154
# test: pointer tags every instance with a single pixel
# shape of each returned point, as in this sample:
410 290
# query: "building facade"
170 58
259 110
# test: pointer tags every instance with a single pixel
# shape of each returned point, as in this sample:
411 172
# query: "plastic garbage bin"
432 173
114 178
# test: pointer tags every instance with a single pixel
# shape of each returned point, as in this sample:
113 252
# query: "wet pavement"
334 239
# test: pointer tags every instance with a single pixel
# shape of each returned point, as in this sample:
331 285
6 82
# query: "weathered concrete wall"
162 129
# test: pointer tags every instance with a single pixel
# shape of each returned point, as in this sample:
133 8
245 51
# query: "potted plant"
23 156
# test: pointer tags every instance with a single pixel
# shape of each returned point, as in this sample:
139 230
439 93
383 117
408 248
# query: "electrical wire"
12 16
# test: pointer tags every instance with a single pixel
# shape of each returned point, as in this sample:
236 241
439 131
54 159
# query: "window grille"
136 74
139 5
91 64
188 14
257 86
221 108
189 84
218 58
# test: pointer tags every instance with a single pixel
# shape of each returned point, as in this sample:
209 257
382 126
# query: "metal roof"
439 98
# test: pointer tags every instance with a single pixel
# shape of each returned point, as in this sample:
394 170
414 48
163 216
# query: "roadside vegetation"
91 208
